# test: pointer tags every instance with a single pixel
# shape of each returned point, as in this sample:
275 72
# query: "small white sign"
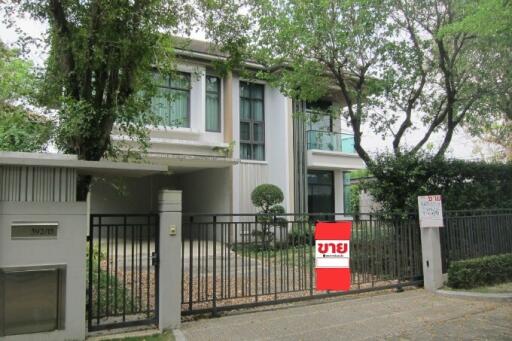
332 253
431 211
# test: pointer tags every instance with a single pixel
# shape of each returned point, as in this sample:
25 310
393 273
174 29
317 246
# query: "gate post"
431 255
169 282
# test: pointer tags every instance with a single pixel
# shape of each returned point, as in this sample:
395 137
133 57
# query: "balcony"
330 141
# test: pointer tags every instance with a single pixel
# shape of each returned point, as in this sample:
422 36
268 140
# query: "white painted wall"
338 192
276 168
68 249
206 191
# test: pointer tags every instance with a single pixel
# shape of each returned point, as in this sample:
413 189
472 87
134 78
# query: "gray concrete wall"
37 184
67 249
204 191
123 195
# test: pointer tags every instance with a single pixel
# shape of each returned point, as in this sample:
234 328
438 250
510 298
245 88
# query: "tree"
98 73
20 129
490 22
267 198
385 61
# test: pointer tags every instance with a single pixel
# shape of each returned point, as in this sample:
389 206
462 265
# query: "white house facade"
226 135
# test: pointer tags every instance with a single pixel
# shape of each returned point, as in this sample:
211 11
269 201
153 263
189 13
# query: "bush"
300 235
265 196
464 185
476 272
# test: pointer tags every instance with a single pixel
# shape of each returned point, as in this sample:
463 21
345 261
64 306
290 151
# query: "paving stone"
411 315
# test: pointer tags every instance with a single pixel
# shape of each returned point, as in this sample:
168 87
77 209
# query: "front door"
320 191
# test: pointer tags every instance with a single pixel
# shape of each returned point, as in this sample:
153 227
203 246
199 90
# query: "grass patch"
502 288
166 336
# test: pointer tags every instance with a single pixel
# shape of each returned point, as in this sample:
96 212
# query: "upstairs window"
213 104
252 122
172 99
319 118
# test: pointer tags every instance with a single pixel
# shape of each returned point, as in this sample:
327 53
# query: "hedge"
476 272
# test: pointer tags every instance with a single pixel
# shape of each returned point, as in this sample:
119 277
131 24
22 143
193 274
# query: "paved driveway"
412 315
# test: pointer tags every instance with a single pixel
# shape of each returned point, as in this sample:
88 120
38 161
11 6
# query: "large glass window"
172 99
319 118
252 122
212 103
320 191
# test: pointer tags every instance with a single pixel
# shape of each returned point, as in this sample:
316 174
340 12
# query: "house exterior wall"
239 179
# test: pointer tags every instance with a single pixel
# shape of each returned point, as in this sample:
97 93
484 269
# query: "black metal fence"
232 261
122 265
475 233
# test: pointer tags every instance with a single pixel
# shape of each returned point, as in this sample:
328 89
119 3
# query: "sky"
463 146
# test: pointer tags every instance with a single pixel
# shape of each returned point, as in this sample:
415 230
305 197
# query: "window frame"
219 106
168 85
332 185
252 123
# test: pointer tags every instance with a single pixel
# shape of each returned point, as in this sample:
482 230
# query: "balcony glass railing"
325 140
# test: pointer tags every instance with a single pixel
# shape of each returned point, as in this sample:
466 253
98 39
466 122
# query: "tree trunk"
82 187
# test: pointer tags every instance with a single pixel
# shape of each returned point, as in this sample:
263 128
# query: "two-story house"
226 135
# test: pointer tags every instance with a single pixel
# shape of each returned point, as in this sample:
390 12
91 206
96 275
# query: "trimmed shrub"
476 272
265 196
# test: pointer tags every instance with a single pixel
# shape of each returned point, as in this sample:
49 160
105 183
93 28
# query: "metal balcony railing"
331 141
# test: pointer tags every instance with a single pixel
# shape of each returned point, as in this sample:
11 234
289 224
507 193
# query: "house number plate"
34 230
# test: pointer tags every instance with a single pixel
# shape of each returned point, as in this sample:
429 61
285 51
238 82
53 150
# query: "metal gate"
122 266
235 261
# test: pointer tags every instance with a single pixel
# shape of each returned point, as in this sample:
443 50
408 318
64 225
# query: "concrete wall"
128 195
204 191
28 183
68 249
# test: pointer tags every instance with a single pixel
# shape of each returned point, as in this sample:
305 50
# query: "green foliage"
266 196
463 184
301 234
476 272
107 286
386 61
355 196
98 73
20 129
489 22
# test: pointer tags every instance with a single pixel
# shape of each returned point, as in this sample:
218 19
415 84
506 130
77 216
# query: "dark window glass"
320 192
252 121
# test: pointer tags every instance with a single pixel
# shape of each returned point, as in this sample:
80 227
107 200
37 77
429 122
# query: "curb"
506 297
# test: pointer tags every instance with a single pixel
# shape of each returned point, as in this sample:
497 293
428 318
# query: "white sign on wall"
431 211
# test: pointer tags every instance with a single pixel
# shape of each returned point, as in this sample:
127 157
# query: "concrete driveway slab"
412 315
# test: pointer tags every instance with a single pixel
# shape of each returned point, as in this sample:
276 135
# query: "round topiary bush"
265 196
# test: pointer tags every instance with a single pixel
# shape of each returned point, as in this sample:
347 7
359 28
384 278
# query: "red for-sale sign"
332 251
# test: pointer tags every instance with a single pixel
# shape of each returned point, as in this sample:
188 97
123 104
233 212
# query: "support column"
169 296
431 255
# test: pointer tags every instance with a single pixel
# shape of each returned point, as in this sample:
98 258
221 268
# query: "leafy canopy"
20 129
98 74
267 197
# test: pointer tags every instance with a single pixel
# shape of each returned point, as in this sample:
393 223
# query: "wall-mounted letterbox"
32 299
